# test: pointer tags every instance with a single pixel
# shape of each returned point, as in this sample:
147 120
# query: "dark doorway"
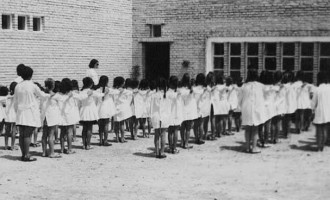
157 60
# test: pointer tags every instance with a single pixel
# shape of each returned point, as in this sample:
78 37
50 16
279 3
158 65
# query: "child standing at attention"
322 112
176 114
75 88
51 118
88 111
123 100
253 109
8 114
106 109
140 105
160 116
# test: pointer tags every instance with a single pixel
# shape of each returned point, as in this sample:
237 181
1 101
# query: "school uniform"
290 98
3 115
320 103
10 110
106 105
233 97
140 104
160 111
219 96
189 104
270 104
148 102
203 99
50 111
123 102
26 104
303 96
252 104
280 101
93 75
88 110
176 111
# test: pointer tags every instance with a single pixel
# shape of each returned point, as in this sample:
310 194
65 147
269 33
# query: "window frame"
10 22
269 56
218 56
322 57
230 70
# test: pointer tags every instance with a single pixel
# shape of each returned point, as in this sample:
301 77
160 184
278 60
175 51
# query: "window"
21 23
252 55
6 21
270 56
288 52
235 60
307 60
218 58
325 57
155 30
36 24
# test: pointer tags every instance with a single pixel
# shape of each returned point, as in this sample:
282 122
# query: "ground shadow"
147 155
10 157
303 148
240 148
306 142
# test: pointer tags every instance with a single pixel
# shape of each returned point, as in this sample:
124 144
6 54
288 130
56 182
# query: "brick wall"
74 32
189 23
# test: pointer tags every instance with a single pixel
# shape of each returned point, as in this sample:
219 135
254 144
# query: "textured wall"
74 32
190 22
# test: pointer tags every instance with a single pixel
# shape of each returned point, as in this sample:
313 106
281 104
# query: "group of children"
263 104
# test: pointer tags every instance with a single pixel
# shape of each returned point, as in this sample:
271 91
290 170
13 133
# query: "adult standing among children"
19 70
27 116
93 64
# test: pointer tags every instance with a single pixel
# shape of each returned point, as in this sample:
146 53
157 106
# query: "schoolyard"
218 170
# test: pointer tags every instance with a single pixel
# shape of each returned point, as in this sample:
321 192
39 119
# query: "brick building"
210 35
58 38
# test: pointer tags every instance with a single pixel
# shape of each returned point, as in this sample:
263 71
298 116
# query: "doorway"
157 60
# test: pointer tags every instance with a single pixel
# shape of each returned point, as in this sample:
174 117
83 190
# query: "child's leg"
267 127
27 132
162 142
13 136
224 124
7 134
254 138
69 132
56 135
175 139
121 127
156 141
182 133
247 138
188 126
318 136
149 126
51 140
89 134
170 137
142 122
62 135
205 127
201 131
217 124
44 141
196 130
302 119
106 132
21 141
325 135
35 136
237 120
101 130
230 118
116 128
112 124
74 132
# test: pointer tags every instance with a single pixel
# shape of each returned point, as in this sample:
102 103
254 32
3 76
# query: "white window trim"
210 41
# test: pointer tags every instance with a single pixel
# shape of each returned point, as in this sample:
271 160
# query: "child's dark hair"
3 91
252 75
218 78
152 85
173 82
87 83
269 78
128 83
57 86
162 85
300 76
185 81
75 85
118 82
210 79
103 83
49 85
27 73
65 86
229 81
92 63
144 84
200 79
20 69
239 81
278 76
39 86
12 87
134 83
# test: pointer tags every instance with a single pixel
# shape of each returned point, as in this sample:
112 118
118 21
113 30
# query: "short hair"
321 78
134 84
185 81
27 73
87 83
128 83
277 76
144 84
49 84
210 79
229 81
300 76
118 82
92 63
162 85
173 82
218 78
252 75
12 87
103 81
75 85
65 86
152 85
57 86
3 91
200 79
19 69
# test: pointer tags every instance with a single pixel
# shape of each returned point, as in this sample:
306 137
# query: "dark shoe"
55 156
29 159
106 144
175 151
161 156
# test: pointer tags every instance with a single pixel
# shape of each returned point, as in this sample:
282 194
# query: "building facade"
58 38
197 36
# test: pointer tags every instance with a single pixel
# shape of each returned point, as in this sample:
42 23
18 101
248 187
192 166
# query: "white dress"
140 104
290 98
93 75
233 97
148 102
303 96
203 99
51 111
3 100
252 104
176 108
26 104
88 109
123 102
10 110
189 104
160 112
280 101
106 105
270 104
219 97
320 103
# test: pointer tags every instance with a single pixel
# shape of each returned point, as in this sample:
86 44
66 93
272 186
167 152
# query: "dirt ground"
216 170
